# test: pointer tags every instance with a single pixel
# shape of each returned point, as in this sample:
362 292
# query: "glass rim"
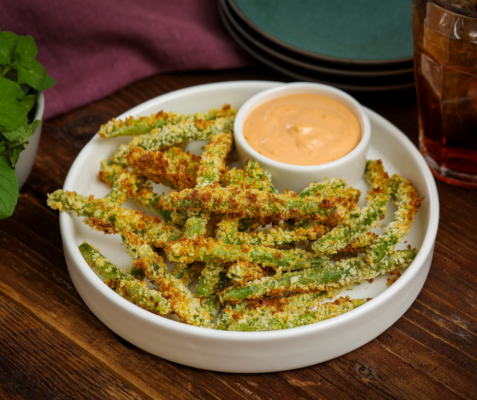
456 10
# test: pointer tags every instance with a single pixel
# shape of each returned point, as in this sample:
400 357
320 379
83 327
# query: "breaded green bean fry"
140 125
183 303
330 188
209 279
256 203
207 249
124 284
257 178
134 187
212 162
407 206
242 272
256 321
174 167
187 272
171 135
343 273
109 218
137 126
361 220
292 304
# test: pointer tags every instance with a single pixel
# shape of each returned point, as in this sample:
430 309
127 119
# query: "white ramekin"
296 177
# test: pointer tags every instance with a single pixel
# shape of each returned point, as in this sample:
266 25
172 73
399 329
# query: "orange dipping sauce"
302 129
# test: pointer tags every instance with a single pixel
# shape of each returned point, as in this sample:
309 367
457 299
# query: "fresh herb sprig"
21 78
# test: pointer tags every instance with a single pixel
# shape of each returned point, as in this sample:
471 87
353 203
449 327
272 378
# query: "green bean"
227 229
257 321
293 304
209 279
172 167
278 236
212 165
117 195
407 207
361 220
343 273
187 272
242 272
256 203
329 189
134 187
110 218
257 178
137 126
196 226
183 303
212 162
212 302
171 135
124 284
207 249
228 232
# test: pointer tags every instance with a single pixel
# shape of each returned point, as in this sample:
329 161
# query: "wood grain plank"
49 272
314 384
435 343
430 362
446 314
452 296
380 370
36 364
430 352
35 241
73 321
37 218
452 282
452 334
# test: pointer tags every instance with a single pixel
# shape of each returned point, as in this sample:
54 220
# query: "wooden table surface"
53 347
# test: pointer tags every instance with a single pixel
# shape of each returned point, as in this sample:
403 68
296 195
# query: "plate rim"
309 53
284 70
68 236
224 4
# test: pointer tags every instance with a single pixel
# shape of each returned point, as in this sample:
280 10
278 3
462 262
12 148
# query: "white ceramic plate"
249 351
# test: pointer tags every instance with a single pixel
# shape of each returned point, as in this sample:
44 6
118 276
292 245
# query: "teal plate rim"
303 77
304 52
313 64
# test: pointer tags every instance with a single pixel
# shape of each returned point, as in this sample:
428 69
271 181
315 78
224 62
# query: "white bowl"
251 352
296 177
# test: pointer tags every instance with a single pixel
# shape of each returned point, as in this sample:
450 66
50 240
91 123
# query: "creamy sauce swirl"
302 129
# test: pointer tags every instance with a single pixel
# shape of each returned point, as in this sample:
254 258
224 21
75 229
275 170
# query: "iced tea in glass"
445 65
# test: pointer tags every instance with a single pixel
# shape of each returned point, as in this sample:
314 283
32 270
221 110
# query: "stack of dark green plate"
351 44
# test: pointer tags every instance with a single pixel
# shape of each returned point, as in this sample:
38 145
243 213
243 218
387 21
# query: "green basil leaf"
29 101
6 50
13 38
12 112
15 152
33 75
26 51
3 147
47 83
8 188
17 135
33 126
20 134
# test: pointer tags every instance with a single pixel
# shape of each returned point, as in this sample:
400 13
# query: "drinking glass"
445 67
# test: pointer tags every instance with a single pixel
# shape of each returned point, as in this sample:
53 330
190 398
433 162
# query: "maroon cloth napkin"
95 47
